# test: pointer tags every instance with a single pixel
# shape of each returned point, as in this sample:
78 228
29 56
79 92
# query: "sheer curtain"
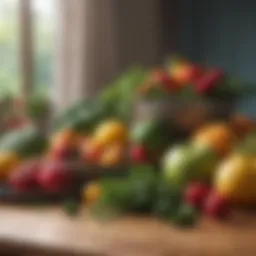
96 39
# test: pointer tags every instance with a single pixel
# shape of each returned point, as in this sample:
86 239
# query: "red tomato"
209 81
139 154
216 206
165 80
196 193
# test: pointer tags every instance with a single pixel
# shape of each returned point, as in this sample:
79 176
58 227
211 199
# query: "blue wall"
221 33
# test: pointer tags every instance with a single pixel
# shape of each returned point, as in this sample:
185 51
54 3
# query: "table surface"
50 231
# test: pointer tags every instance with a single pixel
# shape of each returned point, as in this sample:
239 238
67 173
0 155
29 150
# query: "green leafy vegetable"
26 142
71 207
186 216
143 191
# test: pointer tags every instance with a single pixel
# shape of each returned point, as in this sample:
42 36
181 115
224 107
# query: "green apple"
176 164
183 163
203 162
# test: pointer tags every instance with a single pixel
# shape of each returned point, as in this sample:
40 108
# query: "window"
22 57
9 53
43 30
43 41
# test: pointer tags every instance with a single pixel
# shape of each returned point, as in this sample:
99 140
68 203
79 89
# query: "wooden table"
48 231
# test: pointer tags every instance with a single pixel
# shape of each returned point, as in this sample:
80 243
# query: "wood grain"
48 231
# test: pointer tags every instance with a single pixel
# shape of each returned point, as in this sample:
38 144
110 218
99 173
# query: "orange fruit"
218 136
65 138
112 155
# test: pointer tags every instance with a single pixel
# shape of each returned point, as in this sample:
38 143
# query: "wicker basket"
185 115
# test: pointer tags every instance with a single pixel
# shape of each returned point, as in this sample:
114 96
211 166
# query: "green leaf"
123 90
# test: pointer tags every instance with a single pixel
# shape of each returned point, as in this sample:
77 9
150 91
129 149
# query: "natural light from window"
43 30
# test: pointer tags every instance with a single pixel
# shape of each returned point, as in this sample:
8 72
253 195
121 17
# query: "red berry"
196 193
216 206
54 177
139 154
209 81
195 73
24 178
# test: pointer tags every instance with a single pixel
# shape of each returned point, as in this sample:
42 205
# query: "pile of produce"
29 162
208 174
170 176
104 146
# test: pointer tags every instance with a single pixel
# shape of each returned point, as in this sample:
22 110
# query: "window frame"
26 48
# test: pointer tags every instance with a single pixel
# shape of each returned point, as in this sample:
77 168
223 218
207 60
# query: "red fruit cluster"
209 81
24 178
202 197
215 206
51 177
165 80
63 153
54 177
196 193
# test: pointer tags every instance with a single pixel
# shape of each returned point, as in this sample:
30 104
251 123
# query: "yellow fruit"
236 179
91 193
219 137
111 132
112 155
8 162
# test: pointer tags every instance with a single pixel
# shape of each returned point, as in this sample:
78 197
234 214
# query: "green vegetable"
143 191
121 94
83 116
115 101
134 193
38 105
167 200
186 216
154 135
25 143
71 207
248 146
232 88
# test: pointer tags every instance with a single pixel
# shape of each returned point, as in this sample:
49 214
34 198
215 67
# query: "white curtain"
96 39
